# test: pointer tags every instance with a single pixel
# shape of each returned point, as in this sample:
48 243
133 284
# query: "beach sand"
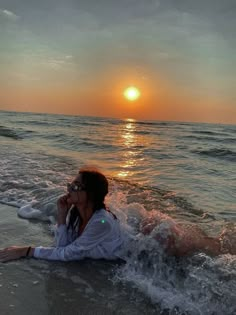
30 286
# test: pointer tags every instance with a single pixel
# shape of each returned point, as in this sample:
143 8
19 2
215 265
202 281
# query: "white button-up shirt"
101 238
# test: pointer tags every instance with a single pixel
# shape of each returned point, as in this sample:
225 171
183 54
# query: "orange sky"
80 60
162 103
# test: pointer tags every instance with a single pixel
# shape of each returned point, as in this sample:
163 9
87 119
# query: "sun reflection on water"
129 142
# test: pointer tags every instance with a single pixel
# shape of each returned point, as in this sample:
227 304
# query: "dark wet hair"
96 187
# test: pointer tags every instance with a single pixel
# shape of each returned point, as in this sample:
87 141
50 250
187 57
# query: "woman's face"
77 193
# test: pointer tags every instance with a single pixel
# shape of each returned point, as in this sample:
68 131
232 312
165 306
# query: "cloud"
20 76
8 14
57 63
68 57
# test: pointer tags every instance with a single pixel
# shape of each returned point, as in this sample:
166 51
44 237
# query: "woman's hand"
63 207
12 253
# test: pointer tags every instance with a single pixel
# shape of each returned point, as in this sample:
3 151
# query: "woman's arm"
16 252
61 232
85 246
63 207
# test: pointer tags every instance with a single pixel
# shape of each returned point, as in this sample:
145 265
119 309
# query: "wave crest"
6 132
222 153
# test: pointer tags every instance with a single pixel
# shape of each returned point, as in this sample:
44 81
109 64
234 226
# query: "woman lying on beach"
86 229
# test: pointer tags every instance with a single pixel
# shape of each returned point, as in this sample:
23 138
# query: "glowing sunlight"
132 93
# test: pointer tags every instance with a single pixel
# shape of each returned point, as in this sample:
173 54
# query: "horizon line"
120 118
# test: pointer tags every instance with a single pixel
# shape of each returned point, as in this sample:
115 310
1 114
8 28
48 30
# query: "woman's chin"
70 200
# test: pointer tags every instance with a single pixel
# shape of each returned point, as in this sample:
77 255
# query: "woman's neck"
85 213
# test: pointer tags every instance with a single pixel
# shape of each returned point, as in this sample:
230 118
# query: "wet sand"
30 286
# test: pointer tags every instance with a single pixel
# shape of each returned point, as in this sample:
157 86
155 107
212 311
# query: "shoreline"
21 288
31 286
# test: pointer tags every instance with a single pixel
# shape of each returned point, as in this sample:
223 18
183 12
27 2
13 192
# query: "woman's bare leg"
189 245
186 240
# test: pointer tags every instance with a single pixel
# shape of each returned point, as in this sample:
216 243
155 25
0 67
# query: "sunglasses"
74 187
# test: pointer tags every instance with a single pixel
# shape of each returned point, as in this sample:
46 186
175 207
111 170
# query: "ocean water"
185 170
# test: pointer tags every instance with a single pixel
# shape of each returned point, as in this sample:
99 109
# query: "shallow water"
181 169
85 287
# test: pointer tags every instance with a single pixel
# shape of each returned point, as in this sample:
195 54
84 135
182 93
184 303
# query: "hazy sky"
77 57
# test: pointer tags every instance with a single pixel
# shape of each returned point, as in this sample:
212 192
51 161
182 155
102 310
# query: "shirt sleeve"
85 246
61 236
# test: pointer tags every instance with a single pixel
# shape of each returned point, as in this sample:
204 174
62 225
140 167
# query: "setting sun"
132 93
